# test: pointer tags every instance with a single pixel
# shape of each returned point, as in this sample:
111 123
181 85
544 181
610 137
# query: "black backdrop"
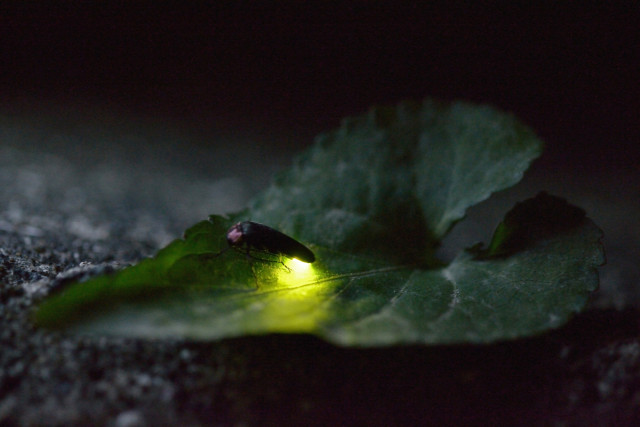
570 70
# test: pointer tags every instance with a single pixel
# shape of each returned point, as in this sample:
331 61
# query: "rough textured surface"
66 213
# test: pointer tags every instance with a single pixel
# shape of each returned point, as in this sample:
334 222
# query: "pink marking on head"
234 235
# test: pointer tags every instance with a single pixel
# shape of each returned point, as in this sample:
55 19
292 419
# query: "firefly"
247 236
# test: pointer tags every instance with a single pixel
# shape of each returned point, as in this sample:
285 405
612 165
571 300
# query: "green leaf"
372 200
391 183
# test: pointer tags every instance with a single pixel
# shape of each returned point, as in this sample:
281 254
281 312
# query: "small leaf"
533 220
364 201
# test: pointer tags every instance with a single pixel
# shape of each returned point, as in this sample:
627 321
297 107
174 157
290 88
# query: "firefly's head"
234 235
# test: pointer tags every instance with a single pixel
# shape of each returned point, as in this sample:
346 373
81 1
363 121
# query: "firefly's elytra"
248 236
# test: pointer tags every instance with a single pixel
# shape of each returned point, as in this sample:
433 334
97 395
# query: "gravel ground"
67 211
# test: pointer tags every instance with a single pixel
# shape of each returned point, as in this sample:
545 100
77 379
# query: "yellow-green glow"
300 273
293 305
296 263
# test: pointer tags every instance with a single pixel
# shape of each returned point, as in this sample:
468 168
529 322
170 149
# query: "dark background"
570 70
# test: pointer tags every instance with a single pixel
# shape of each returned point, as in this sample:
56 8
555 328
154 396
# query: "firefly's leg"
247 252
